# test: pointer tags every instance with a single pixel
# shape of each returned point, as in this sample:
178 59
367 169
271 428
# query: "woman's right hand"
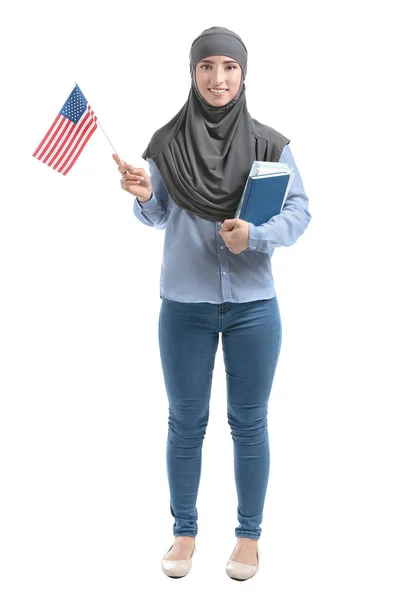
134 180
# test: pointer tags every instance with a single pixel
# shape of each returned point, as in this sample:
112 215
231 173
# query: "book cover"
264 197
265 192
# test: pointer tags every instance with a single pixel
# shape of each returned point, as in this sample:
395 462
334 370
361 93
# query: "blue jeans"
188 339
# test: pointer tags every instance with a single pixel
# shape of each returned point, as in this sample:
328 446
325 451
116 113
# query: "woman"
215 277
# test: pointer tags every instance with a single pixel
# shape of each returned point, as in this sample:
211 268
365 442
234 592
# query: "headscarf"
205 152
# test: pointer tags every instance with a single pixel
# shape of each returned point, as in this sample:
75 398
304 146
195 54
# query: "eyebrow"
224 62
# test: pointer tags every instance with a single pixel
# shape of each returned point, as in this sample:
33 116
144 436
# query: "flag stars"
75 106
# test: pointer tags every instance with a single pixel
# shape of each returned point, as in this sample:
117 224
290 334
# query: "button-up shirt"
198 267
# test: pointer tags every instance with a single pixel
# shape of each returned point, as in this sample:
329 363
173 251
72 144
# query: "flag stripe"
56 139
54 133
43 140
80 143
91 132
77 129
86 125
81 139
59 143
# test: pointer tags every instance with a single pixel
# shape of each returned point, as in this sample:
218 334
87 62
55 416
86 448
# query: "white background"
84 500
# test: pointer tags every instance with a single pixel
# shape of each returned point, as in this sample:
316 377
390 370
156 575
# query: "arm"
285 228
153 212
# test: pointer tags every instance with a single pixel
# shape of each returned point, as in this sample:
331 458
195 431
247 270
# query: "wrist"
146 199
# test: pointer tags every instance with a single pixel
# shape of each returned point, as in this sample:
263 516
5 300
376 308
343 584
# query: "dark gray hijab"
205 153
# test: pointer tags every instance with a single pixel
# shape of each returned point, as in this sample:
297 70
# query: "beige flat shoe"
177 568
240 571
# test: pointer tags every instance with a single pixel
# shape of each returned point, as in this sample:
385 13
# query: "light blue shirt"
198 267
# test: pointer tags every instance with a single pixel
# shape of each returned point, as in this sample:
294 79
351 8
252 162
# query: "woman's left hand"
235 233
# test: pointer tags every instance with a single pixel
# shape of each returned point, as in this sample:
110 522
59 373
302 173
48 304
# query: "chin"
218 101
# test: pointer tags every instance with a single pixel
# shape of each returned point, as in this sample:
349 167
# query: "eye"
228 67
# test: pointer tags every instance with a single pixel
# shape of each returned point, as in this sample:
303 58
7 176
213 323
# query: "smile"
216 91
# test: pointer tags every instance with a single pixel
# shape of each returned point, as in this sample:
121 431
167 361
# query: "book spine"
246 197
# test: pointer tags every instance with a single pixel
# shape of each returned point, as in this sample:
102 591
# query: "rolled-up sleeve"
286 227
153 212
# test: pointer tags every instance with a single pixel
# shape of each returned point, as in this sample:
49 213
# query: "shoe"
240 571
177 568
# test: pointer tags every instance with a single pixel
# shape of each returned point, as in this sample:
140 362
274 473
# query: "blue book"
265 192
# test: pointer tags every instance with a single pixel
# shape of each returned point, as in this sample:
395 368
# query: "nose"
219 74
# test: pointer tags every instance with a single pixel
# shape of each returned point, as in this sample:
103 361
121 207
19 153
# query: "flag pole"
98 123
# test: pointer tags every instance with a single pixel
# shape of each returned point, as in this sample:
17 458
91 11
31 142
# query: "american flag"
69 133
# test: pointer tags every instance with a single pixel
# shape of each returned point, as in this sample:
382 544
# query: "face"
218 72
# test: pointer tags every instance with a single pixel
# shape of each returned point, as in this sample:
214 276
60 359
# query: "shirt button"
221 247
223 272
254 247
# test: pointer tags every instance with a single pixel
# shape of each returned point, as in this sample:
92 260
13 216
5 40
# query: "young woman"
215 278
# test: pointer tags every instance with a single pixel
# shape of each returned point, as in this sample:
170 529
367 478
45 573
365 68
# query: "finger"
127 168
136 170
131 168
130 186
128 177
122 168
119 161
131 181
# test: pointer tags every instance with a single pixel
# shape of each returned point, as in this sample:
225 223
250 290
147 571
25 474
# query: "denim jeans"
251 341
